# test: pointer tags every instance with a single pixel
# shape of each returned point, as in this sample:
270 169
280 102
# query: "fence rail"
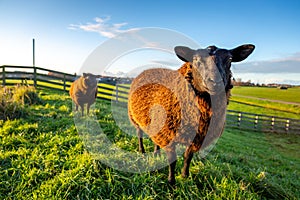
264 123
111 88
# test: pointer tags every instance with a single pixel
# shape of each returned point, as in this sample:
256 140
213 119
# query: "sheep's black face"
211 66
222 62
208 71
90 79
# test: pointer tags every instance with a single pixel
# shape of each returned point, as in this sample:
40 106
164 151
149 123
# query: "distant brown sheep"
176 107
84 91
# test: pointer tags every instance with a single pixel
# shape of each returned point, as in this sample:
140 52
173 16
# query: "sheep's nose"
214 80
196 58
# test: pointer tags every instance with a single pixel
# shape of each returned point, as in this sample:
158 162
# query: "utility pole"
33 63
33 52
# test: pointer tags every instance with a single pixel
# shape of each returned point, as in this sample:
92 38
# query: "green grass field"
43 157
266 106
290 95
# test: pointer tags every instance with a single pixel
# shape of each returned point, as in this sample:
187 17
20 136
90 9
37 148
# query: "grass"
264 106
43 157
290 95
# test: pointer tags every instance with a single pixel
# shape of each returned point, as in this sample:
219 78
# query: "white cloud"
101 26
292 57
290 64
168 63
285 70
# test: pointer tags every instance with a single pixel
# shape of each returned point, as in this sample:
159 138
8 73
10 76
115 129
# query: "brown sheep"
180 107
84 91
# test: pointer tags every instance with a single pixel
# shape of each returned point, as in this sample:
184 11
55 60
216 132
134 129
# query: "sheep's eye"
228 60
211 50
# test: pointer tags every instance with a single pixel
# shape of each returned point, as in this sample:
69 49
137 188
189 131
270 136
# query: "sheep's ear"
242 52
184 53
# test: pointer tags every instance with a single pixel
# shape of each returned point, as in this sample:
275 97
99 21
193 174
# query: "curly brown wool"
84 91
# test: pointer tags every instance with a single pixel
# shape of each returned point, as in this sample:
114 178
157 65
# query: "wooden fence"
36 76
111 88
262 123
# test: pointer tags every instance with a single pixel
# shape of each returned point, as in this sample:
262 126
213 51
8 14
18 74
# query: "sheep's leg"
76 108
156 150
88 109
140 138
171 154
82 109
188 155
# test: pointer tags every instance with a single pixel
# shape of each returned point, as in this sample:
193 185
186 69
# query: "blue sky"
66 32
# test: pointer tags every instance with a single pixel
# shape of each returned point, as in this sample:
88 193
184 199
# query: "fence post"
287 125
117 93
256 121
3 76
239 119
272 123
64 82
34 77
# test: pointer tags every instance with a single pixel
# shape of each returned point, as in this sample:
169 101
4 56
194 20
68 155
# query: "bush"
13 100
25 95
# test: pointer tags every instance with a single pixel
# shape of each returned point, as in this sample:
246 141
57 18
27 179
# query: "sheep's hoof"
156 153
185 173
142 150
171 181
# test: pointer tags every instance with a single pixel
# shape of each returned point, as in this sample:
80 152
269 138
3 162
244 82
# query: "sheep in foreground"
84 91
180 107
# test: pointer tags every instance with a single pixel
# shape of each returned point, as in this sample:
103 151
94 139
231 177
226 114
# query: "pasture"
248 99
43 157
289 95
